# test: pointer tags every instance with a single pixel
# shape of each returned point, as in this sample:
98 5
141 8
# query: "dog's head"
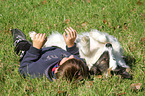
102 63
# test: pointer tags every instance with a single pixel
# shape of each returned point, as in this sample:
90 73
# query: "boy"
53 62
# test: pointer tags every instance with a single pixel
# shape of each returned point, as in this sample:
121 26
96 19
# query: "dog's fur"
100 50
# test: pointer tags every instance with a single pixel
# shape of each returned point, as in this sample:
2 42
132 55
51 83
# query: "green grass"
125 19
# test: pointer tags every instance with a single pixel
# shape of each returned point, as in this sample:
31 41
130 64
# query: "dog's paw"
98 36
31 34
84 45
85 40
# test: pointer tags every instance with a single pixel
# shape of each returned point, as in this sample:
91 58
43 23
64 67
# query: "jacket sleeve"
73 50
32 55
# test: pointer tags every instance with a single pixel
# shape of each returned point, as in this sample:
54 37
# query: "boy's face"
72 68
65 59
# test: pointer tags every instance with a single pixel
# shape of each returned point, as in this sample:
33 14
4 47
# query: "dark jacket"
39 62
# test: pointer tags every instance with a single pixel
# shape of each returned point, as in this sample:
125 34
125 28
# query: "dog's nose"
108 45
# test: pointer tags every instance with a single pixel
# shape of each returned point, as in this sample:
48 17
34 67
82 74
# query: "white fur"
91 46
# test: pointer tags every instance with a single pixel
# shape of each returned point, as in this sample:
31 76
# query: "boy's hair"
73 69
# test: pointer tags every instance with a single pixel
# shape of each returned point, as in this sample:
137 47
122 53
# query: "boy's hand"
71 36
39 40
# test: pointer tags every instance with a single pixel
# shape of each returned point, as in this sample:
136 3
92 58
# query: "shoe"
18 36
20 42
23 45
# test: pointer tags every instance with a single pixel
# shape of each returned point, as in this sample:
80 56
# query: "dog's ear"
126 75
94 70
103 62
122 71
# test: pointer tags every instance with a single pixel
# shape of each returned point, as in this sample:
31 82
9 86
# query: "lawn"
124 19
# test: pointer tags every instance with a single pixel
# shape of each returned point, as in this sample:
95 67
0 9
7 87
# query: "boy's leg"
20 42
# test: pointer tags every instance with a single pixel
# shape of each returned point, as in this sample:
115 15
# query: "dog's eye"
104 59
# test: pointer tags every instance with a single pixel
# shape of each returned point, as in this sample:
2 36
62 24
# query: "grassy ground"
125 19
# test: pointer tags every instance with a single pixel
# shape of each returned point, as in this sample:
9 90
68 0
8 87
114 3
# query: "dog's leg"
84 45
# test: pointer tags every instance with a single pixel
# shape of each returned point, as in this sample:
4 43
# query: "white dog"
100 50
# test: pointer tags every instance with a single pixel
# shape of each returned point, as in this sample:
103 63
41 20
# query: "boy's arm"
34 53
31 56
39 40
73 50
70 37
70 40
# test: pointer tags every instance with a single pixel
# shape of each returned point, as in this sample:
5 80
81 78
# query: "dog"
102 52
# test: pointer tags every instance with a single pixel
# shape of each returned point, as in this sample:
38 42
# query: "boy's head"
72 69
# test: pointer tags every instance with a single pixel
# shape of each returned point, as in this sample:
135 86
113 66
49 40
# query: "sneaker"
18 36
20 42
23 45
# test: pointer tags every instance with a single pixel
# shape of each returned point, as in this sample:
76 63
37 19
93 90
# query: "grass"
125 19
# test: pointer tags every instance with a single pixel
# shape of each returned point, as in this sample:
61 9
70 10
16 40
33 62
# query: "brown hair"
73 69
